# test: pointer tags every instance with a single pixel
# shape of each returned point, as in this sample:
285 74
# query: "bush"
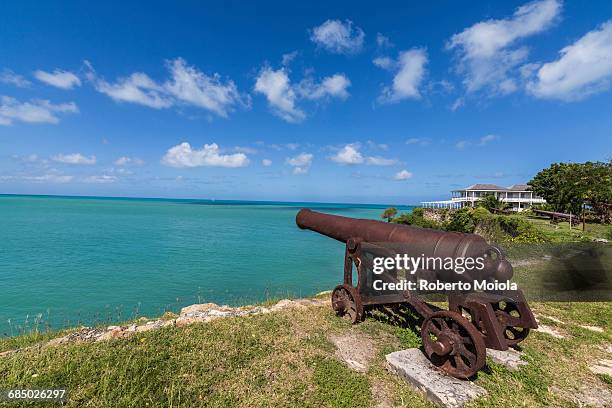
417 219
461 221
520 230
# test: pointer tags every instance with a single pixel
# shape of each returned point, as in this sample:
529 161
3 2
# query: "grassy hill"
301 356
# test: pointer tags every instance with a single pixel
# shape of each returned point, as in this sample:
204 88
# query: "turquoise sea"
67 261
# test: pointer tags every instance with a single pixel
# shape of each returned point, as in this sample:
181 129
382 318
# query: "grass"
286 359
561 232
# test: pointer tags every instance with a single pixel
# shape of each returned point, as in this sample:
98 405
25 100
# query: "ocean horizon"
87 260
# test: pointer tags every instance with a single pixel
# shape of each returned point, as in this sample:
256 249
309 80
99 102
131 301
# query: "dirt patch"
380 395
355 349
597 396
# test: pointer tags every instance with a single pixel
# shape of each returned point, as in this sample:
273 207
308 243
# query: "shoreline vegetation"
296 352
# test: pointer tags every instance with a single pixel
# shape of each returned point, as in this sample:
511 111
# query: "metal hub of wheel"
509 316
347 303
453 344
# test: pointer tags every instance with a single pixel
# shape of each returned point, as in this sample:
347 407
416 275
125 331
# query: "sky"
385 102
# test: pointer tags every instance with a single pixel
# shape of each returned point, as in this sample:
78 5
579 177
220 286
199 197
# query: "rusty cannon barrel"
419 241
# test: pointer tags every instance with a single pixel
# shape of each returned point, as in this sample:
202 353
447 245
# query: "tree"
389 213
569 187
492 203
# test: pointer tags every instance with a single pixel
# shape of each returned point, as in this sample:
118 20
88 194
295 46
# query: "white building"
518 197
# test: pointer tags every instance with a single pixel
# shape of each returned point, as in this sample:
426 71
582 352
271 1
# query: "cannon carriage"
454 340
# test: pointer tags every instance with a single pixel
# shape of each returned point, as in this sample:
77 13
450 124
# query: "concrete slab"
441 389
511 358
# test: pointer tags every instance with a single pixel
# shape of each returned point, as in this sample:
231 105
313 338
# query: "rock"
199 307
283 304
593 328
356 350
598 397
602 367
510 358
441 389
550 331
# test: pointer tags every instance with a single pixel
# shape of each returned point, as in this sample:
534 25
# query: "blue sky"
350 101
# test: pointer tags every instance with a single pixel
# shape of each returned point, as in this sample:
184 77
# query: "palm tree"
492 203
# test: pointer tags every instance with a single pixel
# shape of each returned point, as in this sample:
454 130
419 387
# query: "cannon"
454 340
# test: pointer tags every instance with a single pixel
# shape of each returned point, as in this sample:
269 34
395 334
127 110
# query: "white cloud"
275 85
266 162
100 179
402 175
462 144
35 111
289 57
384 62
410 71
58 78
487 139
300 163
418 141
9 77
374 145
383 41
74 158
137 88
196 88
183 155
126 161
245 149
338 37
333 86
583 68
300 170
49 178
282 96
485 53
380 161
186 85
349 154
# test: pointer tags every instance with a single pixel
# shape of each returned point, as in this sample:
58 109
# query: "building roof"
495 187
485 187
519 187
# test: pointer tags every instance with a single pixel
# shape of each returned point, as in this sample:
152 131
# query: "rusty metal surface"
453 344
455 340
346 302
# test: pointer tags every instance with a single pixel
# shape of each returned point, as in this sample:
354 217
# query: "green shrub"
416 220
520 230
461 221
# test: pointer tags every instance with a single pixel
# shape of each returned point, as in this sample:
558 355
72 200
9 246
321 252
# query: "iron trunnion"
454 340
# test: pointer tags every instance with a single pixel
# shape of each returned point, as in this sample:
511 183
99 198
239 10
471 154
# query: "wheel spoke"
459 362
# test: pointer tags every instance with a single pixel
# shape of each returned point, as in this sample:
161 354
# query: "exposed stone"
542 328
356 350
510 358
197 313
593 328
441 389
598 397
602 367
198 307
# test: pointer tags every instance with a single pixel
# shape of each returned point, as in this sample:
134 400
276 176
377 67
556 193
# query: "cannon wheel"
347 303
453 344
508 312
